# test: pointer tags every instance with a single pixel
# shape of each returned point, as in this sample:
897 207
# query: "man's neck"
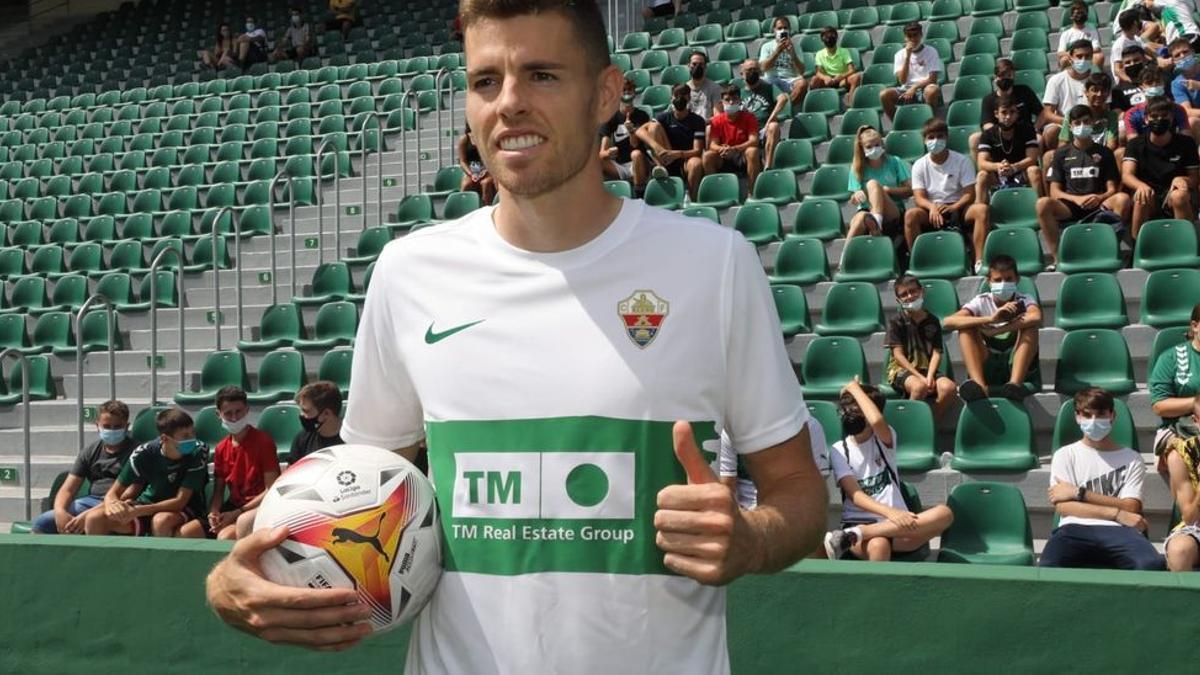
1106 444
681 114
241 435
831 50
917 314
1083 143
112 449
565 218
941 157
1160 139
697 83
330 428
864 436
1007 132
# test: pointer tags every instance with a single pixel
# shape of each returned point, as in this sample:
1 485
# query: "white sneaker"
659 173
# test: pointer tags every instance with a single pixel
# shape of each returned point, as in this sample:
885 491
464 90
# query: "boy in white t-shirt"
1079 30
997 321
917 68
1096 490
733 473
943 183
875 519
1065 90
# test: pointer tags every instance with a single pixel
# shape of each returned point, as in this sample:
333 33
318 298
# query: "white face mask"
873 153
914 305
249 26
237 427
1095 428
1004 290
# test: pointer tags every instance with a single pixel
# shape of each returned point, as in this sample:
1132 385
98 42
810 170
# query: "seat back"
987 514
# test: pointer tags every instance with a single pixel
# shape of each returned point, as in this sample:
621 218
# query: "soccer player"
583 327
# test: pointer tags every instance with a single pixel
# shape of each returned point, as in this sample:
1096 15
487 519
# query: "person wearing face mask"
943 183
1065 90
1134 119
1106 122
782 67
878 184
1128 43
1185 88
1079 29
1085 184
1161 168
676 139
835 67
733 140
1183 464
1174 384
1008 153
251 45
1128 85
917 68
160 490
99 463
223 51
1096 491
1174 18
994 324
296 42
876 520
1029 106
620 148
705 94
245 462
914 350
763 101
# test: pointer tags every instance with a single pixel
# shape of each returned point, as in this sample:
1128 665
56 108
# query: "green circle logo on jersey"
587 485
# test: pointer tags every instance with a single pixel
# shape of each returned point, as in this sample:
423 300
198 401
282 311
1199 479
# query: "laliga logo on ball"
352 537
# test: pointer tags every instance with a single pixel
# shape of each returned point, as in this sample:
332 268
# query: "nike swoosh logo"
432 337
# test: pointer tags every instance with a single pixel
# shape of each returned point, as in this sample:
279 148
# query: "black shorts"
1000 344
664 10
954 222
676 168
257 53
902 377
1078 213
141 524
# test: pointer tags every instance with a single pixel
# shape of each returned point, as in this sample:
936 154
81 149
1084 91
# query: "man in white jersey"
545 350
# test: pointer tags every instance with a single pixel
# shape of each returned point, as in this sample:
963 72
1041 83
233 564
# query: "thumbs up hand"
700 527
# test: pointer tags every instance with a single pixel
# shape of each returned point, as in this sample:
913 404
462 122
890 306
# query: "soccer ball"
358 517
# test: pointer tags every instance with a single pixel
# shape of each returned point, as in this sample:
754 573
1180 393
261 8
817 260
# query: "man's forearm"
788 526
956 322
168 505
1082 510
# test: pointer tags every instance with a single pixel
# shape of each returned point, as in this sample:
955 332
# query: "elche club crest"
643 314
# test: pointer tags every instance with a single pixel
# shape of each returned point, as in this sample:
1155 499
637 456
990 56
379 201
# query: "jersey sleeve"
894 337
1063 41
763 405
935 60
966 173
1055 172
975 306
383 408
1162 377
1132 489
918 175
852 182
1191 153
841 468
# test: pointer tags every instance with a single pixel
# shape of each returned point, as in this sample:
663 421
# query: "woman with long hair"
879 183
221 55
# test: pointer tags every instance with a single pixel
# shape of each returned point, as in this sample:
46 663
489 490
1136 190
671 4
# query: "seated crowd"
296 42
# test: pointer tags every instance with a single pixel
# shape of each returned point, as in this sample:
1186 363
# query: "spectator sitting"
835 67
1183 463
475 175
1161 168
620 150
1145 25
1096 489
1127 42
160 490
1008 153
99 464
662 8
917 68
676 138
878 183
876 521
1174 383
223 53
999 321
251 45
734 475
704 95
915 351
296 43
1065 90
1151 88
760 99
321 418
1085 184
943 193
782 66
1128 89
343 16
1174 18
245 462
1079 30
1185 88
1029 107
1106 122
733 139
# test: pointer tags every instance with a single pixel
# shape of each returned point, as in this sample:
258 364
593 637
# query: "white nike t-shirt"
1112 473
546 386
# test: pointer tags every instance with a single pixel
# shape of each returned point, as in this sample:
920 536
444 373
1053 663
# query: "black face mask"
829 42
680 103
752 77
1134 70
1158 126
1004 83
310 424
853 423
698 71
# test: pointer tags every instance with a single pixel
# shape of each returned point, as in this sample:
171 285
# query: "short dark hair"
1078 112
584 16
847 404
115 408
934 125
1132 49
731 90
783 18
1150 74
1080 44
230 394
1006 101
1101 81
1003 63
1003 263
1177 42
1094 400
1130 18
905 280
1160 104
681 90
913 27
828 30
698 52
323 395
171 421
1078 4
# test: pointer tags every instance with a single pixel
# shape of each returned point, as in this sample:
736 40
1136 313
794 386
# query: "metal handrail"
112 361
154 265
15 353
404 141
216 269
367 116
337 193
291 183
437 86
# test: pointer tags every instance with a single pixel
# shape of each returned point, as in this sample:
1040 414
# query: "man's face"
996 276
697 60
171 443
1004 73
909 292
1097 97
934 135
1180 53
729 100
1133 60
912 39
532 103
307 409
110 422
750 69
1007 115
1159 117
1082 54
232 411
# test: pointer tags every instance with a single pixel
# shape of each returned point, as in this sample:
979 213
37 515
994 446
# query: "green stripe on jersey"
564 494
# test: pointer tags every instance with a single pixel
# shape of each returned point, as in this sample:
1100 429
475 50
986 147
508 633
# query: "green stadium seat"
841 150
972 87
13 334
331 281
911 117
634 43
459 204
282 423
941 298
667 193
718 190
938 255
826 415
52 331
335 367
1014 207
1029 59
1091 300
1088 247
829 364
813 127
792 308
1025 19
208 427
852 308
758 222
867 258
823 102
413 210
1066 431
795 155
370 243
702 212
903 13
1022 244
1168 297
856 118
1164 244
866 96
991 526
913 422
1094 357
618 188
818 218
829 182
220 369
280 376
69 294
801 261
335 325
1166 338
281 325
776 187
994 434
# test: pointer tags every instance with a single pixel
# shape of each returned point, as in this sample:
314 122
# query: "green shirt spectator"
835 64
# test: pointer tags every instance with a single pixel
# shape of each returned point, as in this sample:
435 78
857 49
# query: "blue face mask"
1003 290
187 447
1081 65
1153 91
112 436
1095 428
935 145
1186 63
